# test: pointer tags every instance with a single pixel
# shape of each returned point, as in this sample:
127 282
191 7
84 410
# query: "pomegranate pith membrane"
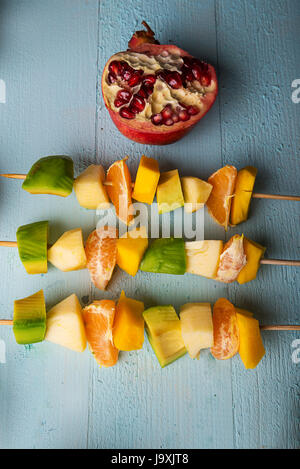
162 88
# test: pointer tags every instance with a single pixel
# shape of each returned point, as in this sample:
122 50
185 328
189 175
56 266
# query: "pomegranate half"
156 93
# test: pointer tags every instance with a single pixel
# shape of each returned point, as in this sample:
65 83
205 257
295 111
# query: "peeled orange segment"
101 255
232 260
219 201
119 189
98 319
226 332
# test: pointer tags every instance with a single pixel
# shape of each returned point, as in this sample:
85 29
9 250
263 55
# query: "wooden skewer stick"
14 176
9 322
13 244
255 195
280 262
280 328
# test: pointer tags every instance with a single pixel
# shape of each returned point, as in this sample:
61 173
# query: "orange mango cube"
254 253
242 197
146 180
251 348
128 330
130 250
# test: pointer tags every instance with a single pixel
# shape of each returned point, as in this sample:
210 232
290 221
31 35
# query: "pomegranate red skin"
145 132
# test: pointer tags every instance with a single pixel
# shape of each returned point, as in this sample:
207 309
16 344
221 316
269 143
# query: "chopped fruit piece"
65 325
219 201
32 242
195 193
251 348
29 323
164 333
169 193
98 319
50 175
131 248
203 257
254 252
232 260
101 254
196 327
242 196
120 189
89 188
68 251
226 332
146 180
165 256
128 331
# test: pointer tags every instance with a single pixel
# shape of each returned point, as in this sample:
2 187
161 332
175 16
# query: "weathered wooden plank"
181 406
48 54
257 44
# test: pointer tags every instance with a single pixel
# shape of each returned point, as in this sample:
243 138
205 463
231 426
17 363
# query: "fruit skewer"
255 195
110 327
227 192
239 259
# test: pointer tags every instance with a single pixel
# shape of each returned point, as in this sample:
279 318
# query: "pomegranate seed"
126 75
197 72
114 68
119 102
175 118
205 79
169 122
149 80
111 78
174 80
135 79
192 110
149 90
161 74
187 61
203 66
167 112
184 116
137 104
143 92
126 113
124 95
187 75
157 119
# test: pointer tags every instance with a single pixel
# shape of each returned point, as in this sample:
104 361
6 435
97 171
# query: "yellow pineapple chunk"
203 257
169 192
89 188
65 325
196 327
68 251
195 193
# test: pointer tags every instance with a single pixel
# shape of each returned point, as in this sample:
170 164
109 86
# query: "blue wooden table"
52 55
